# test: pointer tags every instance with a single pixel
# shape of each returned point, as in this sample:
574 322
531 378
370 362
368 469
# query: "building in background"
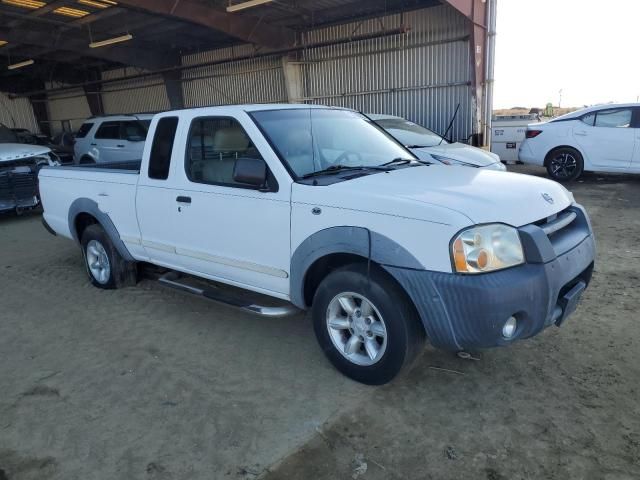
418 59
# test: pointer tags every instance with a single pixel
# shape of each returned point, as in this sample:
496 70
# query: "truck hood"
460 197
16 151
458 151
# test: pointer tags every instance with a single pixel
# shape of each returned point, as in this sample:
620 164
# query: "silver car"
111 139
431 147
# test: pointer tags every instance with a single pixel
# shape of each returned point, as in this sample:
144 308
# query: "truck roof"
255 107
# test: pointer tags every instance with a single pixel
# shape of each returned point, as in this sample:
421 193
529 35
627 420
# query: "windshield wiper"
404 161
417 146
341 168
398 161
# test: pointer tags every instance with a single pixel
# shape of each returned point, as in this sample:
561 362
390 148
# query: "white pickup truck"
320 208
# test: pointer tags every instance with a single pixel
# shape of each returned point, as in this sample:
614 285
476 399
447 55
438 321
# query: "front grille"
565 229
18 180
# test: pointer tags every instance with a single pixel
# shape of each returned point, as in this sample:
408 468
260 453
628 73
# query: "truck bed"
109 186
129 166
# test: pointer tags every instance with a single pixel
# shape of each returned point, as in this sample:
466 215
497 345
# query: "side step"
172 279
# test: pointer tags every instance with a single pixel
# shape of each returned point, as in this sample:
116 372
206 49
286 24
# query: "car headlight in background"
486 248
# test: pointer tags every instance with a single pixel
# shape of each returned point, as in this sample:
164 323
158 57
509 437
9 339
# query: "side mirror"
251 171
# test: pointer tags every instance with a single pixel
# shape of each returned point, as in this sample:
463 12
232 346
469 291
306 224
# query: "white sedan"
605 138
429 146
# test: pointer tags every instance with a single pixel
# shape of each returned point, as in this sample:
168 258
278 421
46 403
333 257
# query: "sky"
587 48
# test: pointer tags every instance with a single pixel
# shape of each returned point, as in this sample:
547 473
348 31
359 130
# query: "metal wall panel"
69 106
421 75
133 96
259 80
17 113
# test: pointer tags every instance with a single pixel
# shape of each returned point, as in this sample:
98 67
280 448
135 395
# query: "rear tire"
86 160
105 267
367 327
564 164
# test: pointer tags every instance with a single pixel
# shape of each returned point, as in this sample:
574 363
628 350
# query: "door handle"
582 134
120 146
94 144
182 199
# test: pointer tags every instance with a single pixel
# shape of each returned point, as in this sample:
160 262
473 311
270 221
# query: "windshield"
7 136
314 139
409 133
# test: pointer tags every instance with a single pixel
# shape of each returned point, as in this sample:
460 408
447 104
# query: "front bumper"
468 311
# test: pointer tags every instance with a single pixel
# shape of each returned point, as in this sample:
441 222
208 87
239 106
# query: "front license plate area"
569 302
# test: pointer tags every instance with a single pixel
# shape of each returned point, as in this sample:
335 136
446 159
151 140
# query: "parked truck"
320 208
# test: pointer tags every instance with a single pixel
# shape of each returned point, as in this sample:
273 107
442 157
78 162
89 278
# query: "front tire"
105 266
565 164
366 325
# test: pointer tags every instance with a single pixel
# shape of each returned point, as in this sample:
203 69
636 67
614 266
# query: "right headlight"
486 248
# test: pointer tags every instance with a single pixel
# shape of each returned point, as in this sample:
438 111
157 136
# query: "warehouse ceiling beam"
238 25
127 55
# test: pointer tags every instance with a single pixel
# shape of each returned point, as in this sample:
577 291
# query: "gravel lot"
149 383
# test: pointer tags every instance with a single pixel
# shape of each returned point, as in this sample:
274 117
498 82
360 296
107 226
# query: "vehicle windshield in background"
410 134
7 136
146 124
316 139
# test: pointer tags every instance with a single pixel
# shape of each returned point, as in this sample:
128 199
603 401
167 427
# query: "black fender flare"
86 205
345 239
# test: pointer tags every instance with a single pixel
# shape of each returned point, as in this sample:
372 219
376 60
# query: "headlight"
452 161
486 248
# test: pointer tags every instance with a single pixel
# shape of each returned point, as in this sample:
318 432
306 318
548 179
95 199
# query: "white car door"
224 229
606 138
105 142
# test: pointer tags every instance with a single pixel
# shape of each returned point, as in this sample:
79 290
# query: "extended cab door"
216 226
607 137
155 197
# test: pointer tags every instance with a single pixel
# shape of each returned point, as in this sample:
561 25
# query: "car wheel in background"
366 324
86 160
564 164
105 267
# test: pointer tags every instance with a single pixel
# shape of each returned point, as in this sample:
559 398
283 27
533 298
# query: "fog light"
509 328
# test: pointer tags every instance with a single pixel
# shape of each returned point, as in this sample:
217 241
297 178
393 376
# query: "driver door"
224 229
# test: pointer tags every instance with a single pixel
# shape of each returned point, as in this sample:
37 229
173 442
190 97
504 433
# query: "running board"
172 279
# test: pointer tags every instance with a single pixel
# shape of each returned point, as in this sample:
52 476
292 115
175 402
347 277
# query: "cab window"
213 147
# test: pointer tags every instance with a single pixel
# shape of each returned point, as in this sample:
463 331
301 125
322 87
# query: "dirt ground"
151 383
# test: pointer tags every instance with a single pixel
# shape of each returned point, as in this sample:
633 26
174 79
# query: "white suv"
111 139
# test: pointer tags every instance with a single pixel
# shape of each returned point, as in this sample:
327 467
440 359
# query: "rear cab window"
162 148
84 129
